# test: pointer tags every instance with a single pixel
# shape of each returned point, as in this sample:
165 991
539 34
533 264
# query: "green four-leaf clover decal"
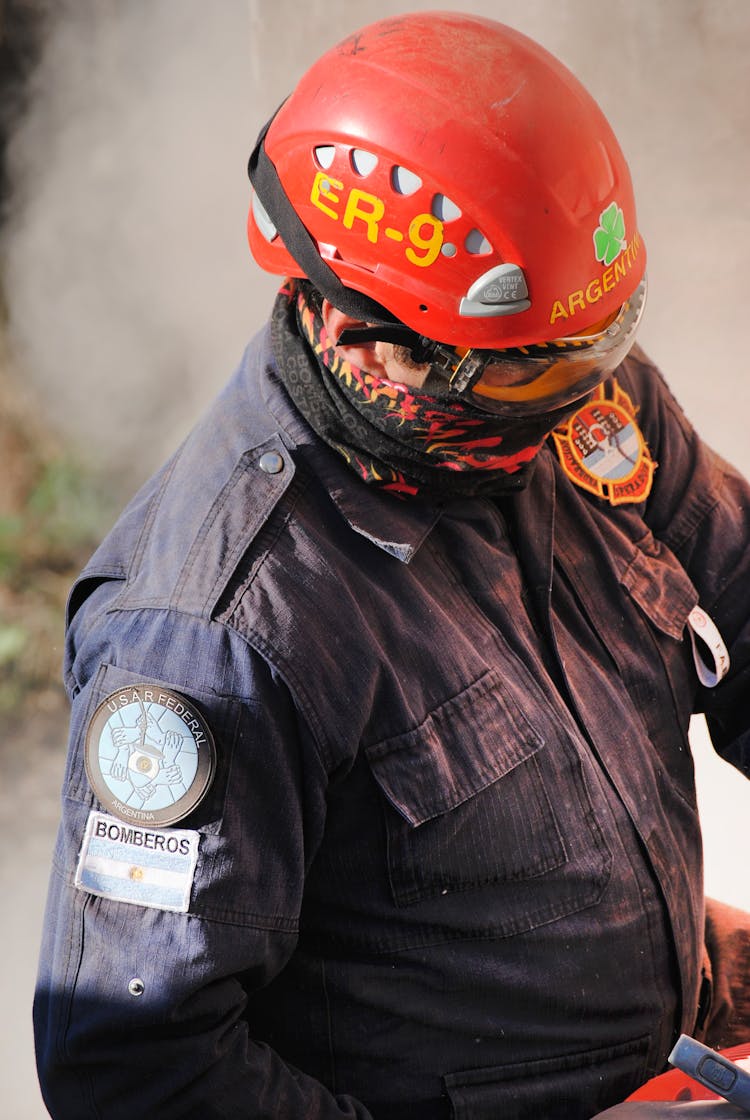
609 238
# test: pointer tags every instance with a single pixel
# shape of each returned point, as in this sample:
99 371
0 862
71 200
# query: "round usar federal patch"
150 756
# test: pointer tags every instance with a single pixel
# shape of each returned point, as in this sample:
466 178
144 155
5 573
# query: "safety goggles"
524 380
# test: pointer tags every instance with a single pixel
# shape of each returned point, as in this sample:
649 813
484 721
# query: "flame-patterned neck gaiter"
395 437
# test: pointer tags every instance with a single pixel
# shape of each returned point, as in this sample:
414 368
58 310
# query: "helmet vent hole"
404 181
325 155
477 244
444 209
423 307
363 162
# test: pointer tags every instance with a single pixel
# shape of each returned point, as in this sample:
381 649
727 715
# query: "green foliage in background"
44 540
53 512
62 514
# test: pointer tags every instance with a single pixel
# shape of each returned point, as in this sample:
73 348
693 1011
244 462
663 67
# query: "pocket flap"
661 587
460 748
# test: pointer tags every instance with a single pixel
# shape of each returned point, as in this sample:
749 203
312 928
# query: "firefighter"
428 598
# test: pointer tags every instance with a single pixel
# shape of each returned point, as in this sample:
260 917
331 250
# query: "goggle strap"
459 371
422 349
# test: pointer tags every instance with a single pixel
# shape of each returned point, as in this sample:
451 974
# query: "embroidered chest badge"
602 449
150 756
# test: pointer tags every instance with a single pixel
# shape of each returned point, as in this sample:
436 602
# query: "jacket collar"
397 526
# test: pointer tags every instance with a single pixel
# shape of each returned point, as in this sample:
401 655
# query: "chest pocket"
638 598
474 800
642 618
660 586
664 596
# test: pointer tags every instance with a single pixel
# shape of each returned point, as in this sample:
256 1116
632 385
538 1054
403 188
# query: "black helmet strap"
301 245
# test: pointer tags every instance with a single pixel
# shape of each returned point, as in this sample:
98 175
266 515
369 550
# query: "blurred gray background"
130 292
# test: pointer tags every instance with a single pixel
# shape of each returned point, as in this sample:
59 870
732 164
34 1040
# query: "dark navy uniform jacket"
450 862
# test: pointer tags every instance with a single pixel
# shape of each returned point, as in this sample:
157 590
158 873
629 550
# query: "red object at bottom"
678 1086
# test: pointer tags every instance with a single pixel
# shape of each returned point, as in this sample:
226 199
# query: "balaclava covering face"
395 437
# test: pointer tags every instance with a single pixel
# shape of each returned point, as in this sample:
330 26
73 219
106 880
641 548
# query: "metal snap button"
136 987
271 462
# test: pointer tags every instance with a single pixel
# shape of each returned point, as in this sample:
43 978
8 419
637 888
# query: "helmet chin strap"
298 241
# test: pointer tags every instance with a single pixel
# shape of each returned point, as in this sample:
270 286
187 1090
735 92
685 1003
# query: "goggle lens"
547 375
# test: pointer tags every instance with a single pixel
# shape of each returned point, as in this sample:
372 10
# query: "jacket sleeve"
142 1006
728 950
700 508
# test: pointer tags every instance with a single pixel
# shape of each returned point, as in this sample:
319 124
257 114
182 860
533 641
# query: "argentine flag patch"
130 863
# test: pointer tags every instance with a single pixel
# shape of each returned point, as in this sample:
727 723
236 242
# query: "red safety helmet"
446 172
